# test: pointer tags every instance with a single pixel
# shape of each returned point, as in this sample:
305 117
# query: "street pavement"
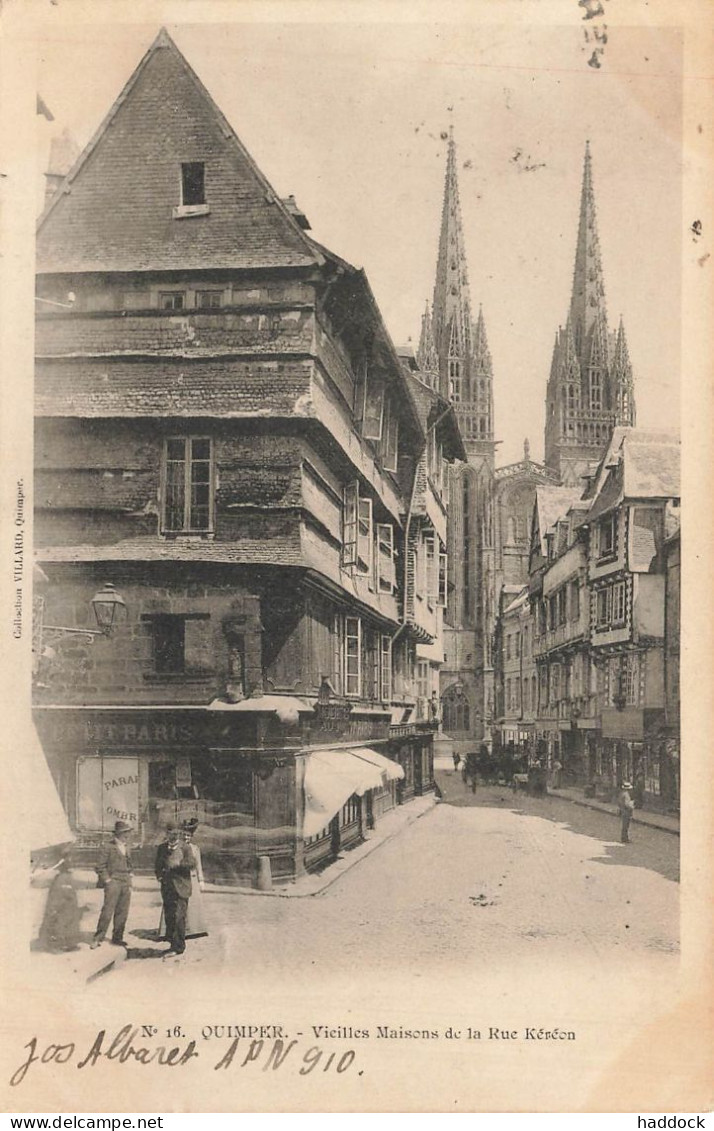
481 878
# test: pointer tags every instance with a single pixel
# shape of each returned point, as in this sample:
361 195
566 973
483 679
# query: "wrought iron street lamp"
109 607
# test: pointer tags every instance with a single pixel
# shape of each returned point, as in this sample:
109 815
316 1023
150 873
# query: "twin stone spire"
590 389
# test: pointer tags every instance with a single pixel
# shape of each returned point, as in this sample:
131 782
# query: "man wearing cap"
626 805
174 861
114 871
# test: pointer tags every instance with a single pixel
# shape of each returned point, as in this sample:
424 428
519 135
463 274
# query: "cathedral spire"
451 312
588 297
427 357
464 359
590 388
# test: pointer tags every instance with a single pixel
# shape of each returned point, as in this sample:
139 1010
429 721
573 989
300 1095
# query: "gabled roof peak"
163 117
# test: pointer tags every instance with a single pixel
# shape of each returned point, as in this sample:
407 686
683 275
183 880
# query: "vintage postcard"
356 438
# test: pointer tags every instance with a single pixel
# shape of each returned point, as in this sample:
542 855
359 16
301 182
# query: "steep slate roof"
552 504
431 408
114 210
637 465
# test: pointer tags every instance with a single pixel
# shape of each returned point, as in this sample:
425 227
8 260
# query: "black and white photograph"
342 497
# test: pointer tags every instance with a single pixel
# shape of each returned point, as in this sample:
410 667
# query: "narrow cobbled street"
481 879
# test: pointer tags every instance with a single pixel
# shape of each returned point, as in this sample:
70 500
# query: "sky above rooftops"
349 118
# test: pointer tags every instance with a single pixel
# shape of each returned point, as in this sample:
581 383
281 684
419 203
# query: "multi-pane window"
386 667
423 679
604 607
209 300
555 683
431 579
611 606
606 536
353 656
364 535
443 580
618 603
172 300
631 679
188 496
350 500
356 529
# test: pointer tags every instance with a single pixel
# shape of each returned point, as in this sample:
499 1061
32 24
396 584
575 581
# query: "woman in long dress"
195 922
60 928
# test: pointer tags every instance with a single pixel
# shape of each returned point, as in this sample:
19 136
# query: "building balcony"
563 636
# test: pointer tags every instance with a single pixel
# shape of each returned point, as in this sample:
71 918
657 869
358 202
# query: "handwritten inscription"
129 1046
595 34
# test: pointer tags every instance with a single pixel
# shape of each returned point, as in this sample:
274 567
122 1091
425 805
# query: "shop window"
187 479
107 791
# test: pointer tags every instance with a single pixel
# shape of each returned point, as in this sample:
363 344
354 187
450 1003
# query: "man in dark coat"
174 860
114 872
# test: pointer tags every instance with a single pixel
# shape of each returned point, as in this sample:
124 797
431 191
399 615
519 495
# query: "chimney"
64 151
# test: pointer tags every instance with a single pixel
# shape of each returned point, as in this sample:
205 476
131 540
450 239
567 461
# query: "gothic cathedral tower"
454 357
590 388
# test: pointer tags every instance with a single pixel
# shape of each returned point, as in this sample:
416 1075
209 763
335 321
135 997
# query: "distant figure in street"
557 769
626 806
60 923
174 863
457 760
114 872
195 923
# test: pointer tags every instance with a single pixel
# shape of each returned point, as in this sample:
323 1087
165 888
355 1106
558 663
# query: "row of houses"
228 439
588 651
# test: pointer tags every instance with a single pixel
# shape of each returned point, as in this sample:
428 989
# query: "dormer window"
193 182
193 190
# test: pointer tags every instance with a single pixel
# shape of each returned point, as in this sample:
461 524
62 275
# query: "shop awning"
390 770
48 821
331 777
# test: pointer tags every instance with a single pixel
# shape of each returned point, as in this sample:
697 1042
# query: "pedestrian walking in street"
626 806
195 922
174 862
457 760
60 922
114 875
557 770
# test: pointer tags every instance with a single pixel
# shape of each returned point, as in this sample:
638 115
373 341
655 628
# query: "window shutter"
364 534
386 572
373 418
197 644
